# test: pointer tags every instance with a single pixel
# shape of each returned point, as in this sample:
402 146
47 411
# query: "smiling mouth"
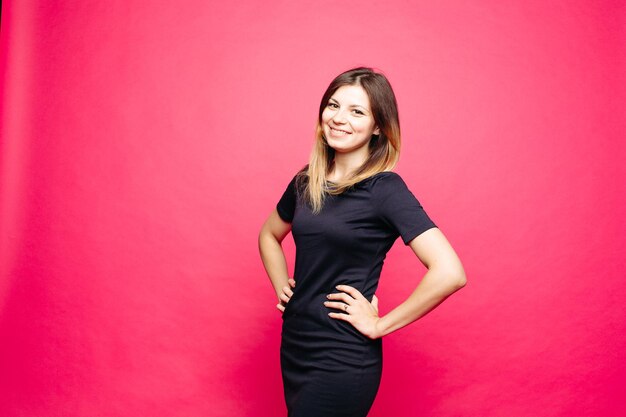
340 132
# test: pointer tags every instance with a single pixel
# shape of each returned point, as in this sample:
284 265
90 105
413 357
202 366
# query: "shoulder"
386 182
287 204
388 189
298 181
301 179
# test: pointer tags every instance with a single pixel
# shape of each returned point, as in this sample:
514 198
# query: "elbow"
455 279
461 280
449 279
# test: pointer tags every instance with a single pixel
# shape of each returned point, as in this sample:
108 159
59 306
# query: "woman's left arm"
445 276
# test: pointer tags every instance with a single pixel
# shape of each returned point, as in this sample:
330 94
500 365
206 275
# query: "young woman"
345 209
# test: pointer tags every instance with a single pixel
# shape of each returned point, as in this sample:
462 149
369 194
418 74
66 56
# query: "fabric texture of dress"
329 368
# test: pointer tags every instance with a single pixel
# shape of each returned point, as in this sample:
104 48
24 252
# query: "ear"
376 131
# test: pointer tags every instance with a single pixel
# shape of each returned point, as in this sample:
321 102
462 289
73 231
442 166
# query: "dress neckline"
365 179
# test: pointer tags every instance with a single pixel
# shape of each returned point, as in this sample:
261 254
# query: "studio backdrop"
143 144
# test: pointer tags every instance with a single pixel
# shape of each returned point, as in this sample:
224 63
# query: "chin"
337 147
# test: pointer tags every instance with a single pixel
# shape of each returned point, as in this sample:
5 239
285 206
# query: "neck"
345 164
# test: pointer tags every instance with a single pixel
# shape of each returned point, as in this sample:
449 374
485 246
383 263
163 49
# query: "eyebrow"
352 105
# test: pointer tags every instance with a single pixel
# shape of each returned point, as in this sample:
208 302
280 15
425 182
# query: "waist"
308 318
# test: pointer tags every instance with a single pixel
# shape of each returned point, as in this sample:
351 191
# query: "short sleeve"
399 209
287 204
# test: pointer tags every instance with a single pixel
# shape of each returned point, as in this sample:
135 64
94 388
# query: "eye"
359 112
332 105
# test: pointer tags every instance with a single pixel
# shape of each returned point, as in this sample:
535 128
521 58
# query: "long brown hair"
384 149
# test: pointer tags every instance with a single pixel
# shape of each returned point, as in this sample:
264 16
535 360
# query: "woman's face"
347 120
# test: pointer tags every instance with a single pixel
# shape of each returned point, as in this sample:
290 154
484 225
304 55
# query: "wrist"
379 329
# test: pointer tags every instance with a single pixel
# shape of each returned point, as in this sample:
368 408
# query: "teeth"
339 131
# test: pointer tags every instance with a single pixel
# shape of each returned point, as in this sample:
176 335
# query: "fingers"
350 290
287 291
335 304
342 305
284 297
351 306
340 296
341 316
348 294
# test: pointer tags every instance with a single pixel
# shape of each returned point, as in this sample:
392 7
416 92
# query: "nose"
339 117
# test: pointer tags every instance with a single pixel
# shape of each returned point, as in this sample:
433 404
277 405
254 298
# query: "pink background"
143 144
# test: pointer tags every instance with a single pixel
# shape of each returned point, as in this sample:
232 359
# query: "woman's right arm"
271 236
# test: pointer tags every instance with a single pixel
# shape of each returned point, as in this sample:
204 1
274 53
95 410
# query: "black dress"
329 368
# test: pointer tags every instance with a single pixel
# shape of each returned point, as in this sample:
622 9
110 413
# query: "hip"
306 341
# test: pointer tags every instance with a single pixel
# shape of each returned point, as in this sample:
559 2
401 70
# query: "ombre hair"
384 149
